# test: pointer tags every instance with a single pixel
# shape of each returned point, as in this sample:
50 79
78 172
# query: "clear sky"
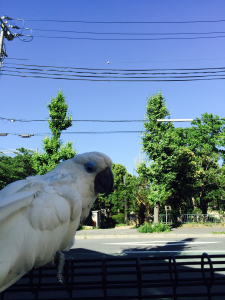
25 97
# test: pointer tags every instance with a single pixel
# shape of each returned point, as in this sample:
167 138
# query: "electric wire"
104 132
126 33
115 80
127 39
112 78
123 22
85 120
110 74
80 132
117 62
125 70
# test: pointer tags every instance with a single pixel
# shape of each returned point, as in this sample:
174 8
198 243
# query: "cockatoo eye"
90 167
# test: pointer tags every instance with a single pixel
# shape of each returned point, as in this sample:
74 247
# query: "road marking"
148 251
160 244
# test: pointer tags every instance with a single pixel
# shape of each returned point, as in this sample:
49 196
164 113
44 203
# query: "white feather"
40 215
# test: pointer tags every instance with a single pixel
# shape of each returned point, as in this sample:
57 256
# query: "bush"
158 227
119 218
107 222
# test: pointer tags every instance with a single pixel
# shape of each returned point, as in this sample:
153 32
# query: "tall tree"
183 162
54 150
161 146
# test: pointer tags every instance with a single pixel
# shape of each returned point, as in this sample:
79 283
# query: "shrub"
158 227
119 218
107 222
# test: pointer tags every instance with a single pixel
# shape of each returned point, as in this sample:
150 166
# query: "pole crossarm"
15 150
175 120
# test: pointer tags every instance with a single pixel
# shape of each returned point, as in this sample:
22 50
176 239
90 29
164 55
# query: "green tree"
140 204
161 145
54 150
183 162
204 139
115 201
16 168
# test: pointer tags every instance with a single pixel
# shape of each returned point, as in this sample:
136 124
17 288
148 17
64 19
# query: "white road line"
161 244
190 251
151 242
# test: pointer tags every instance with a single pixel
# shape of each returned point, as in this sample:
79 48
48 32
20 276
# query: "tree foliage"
184 169
16 168
54 150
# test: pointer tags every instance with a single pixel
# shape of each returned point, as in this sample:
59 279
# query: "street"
123 241
150 246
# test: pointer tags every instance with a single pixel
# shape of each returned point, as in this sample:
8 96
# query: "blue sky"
25 98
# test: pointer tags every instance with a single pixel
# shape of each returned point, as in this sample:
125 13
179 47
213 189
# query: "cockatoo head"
91 173
94 177
96 167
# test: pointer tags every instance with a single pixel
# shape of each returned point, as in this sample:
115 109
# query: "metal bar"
156 277
104 284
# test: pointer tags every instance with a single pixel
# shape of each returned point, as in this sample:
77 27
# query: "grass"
195 225
150 228
122 224
218 232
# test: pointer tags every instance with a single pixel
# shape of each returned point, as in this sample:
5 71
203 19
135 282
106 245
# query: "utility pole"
1 44
156 213
125 200
6 33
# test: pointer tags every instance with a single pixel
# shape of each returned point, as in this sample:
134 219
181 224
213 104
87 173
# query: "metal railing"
158 277
194 218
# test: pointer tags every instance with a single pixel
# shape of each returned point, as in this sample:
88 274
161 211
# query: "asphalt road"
149 246
125 241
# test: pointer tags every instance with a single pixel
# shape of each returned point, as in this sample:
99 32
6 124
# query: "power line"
125 70
127 39
28 135
91 74
76 132
115 80
42 120
122 76
117 62
101 121
124 22
128 33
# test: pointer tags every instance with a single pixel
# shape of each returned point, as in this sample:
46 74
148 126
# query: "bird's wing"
33 225
13 203
44 192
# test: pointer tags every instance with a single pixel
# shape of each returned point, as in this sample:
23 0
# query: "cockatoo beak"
104 182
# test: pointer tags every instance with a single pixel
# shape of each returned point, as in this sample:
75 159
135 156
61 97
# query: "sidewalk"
124 233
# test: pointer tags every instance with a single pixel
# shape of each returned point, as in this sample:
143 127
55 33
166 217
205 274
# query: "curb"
148 235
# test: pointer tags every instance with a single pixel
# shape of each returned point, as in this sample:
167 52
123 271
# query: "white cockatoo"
39 215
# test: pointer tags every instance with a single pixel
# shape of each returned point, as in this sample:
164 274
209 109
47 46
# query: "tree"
16 168
183 162
54 150
115 201
139 192
204 139
161 145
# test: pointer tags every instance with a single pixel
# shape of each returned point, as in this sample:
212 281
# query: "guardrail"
194 218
